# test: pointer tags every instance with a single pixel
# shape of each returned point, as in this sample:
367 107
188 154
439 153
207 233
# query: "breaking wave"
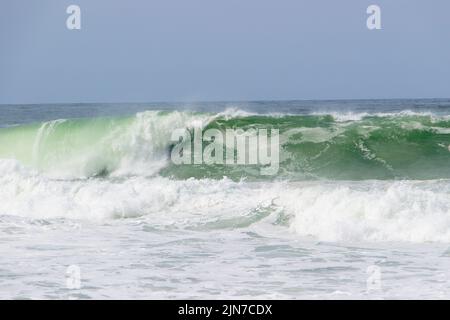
364 177
404 145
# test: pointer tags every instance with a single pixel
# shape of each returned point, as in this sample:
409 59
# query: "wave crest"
318 146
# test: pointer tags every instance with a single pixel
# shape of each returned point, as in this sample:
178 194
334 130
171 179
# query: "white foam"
357 116
372 211
233 112
335 211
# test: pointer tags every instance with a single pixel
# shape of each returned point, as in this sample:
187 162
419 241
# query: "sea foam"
414 211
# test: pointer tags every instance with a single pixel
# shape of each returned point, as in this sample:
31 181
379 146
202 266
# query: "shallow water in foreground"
128 259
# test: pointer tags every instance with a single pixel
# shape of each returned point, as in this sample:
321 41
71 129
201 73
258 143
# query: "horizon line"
219 101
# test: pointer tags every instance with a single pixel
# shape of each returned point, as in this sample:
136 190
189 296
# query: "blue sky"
184 50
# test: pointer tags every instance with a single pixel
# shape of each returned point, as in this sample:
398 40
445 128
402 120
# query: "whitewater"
361 185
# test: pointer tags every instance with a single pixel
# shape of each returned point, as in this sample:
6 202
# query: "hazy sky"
178 50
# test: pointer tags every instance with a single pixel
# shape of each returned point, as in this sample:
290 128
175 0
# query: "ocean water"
360 206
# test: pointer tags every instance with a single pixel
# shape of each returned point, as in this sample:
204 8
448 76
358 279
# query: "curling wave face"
322 146
361 177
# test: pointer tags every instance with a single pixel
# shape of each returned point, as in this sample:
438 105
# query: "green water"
311 146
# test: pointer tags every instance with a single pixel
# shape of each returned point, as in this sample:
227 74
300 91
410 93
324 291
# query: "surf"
412 211
405 145
342 177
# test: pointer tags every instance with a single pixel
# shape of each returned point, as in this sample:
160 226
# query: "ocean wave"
415 211
404 145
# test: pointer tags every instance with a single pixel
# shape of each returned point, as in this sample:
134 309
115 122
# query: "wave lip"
79 148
